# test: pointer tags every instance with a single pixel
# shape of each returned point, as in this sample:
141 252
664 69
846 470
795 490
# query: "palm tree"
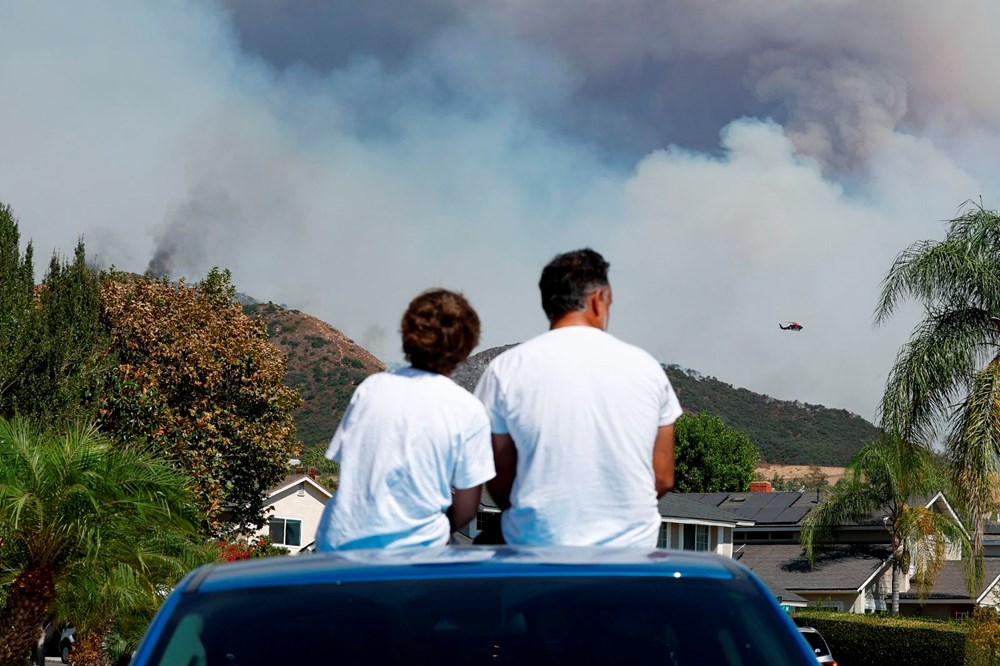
110 603
73 501
946 379
881 480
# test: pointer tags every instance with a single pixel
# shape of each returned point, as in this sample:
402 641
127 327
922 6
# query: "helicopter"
790 326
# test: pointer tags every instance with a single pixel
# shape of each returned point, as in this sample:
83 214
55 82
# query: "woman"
409 436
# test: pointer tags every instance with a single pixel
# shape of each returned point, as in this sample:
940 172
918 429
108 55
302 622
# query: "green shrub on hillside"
792 433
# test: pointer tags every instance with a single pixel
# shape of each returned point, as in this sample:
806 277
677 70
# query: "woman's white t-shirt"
407 438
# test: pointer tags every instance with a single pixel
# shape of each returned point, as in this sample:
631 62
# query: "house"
854 573
691 525
950 597
847 577
294 508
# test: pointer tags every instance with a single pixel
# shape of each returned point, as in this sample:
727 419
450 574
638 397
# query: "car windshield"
517 620
816 642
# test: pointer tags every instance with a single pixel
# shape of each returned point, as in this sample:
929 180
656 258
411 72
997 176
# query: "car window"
816 642
523 620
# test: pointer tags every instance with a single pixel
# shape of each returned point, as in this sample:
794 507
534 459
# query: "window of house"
661 540
696 537
286 532
701 537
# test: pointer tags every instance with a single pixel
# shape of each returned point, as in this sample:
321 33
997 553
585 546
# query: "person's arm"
663 459
464 505
505 461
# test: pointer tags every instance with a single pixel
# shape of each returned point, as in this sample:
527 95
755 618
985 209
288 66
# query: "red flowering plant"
241 548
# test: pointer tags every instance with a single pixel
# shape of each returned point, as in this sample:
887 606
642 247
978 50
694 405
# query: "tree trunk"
895 587
29 601
89 650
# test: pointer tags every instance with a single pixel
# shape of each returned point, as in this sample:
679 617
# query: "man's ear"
595 302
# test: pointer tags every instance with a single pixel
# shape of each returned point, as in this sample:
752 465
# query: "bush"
983 647
877 640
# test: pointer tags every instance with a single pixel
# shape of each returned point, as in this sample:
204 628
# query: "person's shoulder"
458 397
634 353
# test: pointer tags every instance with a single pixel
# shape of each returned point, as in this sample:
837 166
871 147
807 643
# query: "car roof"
460 562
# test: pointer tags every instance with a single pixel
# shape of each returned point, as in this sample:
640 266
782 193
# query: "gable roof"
783 595
950 582
682 507
846 567
294 480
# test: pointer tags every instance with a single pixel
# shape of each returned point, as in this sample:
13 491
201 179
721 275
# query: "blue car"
474 605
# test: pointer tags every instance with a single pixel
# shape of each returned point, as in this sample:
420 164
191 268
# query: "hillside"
792 433
326 367
323 363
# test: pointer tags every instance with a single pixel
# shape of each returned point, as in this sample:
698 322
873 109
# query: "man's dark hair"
569 278
439 330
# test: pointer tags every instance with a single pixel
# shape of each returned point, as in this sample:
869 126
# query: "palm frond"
974 449
959 269
933 370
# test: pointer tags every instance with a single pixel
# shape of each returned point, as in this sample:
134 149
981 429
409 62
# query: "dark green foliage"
877 640
316 342
710 457
53 353
790 433
17 288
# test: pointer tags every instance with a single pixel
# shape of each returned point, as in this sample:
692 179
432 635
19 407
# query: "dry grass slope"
323 364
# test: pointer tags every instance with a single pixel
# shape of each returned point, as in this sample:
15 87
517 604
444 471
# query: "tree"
73 501
198 380
17 289
952 357
711 457
881 480
53 353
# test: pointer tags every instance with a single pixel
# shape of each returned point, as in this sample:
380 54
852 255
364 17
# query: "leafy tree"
198 380
952 357
73 501
881 480
52 350
327 471
711 457
17 288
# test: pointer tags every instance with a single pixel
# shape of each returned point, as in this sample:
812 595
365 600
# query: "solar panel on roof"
767 515
782 500
793 514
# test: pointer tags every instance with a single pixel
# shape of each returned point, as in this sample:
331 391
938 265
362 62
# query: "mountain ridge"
326 366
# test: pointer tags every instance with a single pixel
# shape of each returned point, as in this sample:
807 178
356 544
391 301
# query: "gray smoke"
738 163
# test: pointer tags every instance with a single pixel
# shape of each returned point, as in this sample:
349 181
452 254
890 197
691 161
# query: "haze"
739 164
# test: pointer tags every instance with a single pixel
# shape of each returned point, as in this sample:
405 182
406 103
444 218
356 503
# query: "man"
581 422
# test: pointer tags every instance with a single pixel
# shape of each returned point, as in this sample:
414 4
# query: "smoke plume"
739 164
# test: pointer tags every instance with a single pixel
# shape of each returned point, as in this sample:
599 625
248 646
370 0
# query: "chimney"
312 473
760 486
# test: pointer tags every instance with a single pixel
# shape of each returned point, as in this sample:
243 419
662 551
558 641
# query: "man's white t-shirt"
407 437
583 409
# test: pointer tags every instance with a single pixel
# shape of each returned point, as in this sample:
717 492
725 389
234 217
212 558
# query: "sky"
739 164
